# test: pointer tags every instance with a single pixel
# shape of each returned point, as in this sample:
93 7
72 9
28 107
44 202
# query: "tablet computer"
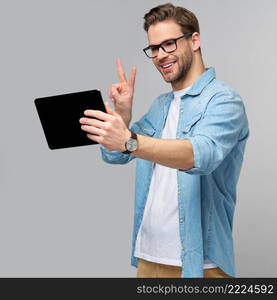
60 114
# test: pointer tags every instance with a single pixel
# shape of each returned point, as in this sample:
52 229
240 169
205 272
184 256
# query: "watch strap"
133 136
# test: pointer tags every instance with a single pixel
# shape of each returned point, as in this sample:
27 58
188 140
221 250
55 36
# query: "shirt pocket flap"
146 127
191 122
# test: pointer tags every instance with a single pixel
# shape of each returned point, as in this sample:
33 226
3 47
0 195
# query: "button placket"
181 110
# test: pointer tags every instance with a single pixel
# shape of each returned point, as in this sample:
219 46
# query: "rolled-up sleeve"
117 157
223 124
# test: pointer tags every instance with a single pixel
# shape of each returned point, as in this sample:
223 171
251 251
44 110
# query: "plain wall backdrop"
66 213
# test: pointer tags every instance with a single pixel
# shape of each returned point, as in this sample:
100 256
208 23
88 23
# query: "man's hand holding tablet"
111 128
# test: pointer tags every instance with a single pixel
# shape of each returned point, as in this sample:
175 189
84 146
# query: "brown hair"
182 16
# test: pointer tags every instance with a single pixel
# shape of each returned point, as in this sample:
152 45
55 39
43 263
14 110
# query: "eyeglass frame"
186 35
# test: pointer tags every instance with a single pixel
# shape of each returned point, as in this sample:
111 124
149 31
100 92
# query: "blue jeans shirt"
212 117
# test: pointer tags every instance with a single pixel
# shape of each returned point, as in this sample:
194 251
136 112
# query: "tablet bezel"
54 114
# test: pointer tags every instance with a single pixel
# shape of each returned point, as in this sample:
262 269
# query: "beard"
183 64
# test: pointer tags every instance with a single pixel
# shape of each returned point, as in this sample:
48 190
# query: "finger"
109 109
110 93
132 78
95 138
92 122
120 71
92 130
114 90
99 115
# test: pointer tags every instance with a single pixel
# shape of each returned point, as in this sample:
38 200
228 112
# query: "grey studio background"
66 213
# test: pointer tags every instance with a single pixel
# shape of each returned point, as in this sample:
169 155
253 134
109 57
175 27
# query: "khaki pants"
147 269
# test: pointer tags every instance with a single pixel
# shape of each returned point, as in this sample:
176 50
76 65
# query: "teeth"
168 65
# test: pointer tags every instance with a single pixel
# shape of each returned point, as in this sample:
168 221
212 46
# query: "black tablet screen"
60 114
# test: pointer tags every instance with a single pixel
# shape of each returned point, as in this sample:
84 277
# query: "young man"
189 148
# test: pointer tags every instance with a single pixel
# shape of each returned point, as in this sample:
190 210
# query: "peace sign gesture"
122 93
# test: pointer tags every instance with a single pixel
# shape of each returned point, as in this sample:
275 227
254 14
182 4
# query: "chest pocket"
146 127
189 126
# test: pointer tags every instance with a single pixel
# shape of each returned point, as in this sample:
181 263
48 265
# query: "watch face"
131 144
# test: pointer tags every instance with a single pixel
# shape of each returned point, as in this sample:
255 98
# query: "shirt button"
181 220
181 111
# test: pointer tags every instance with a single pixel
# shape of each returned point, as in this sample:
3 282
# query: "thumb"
109 109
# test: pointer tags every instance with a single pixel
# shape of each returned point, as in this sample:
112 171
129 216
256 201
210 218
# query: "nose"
162 54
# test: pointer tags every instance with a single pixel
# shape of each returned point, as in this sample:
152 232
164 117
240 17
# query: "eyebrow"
161 42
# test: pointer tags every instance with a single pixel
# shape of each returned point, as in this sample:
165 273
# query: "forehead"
162 31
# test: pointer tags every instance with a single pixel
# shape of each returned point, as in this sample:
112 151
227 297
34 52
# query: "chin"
170 79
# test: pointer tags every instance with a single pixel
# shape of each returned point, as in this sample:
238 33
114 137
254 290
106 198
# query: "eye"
169 43
154 48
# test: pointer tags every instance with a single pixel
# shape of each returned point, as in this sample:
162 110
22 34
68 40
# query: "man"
189 148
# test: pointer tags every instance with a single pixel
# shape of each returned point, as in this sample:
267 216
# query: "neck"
196 69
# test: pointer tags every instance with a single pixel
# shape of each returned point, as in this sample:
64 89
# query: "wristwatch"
132 144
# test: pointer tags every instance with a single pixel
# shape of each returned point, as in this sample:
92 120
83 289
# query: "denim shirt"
212 117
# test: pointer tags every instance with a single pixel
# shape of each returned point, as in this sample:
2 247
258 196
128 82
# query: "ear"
195 40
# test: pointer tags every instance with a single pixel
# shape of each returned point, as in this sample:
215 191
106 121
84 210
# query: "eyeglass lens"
168 46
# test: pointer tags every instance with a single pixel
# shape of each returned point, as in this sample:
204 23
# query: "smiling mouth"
167 66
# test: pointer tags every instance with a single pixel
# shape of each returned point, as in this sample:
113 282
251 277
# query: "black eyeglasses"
167 46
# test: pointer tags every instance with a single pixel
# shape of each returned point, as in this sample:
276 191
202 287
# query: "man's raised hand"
122 93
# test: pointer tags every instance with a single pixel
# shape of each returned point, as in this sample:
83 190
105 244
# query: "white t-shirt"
158 238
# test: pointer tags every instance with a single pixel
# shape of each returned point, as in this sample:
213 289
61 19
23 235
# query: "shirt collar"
202 81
